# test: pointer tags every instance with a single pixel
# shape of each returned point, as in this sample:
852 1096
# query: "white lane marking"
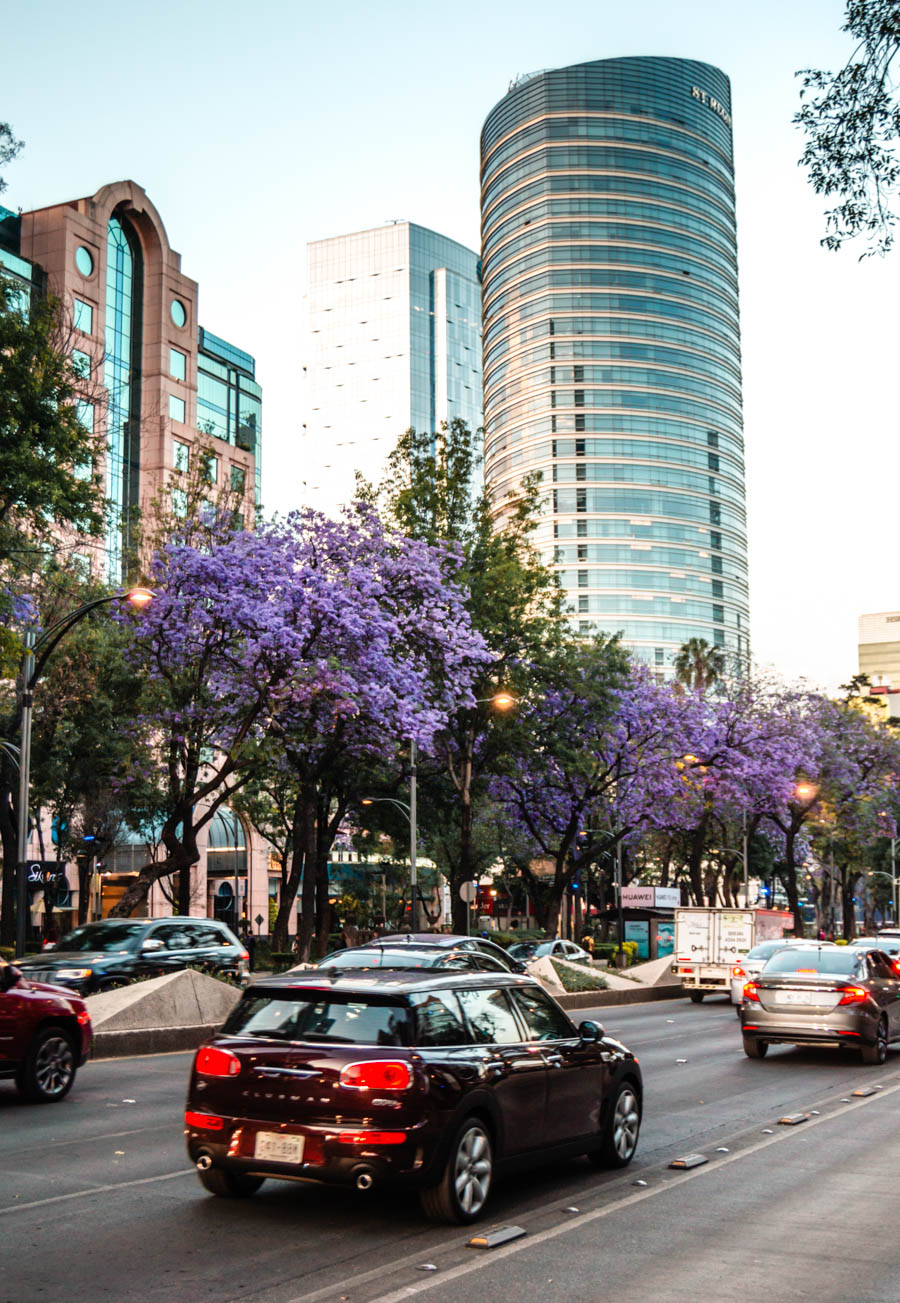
95 1189
574 1223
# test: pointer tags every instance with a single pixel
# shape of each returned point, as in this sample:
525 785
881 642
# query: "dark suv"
110 953
434 1081
45 1036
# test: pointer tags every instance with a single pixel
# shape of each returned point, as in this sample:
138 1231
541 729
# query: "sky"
256 128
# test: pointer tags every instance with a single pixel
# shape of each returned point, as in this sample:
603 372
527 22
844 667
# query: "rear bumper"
833 1028
326 1158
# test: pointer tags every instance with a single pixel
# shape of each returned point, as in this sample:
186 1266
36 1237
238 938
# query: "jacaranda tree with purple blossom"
335 639
597 750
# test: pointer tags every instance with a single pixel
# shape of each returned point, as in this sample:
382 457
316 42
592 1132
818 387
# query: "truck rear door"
734 936
693 936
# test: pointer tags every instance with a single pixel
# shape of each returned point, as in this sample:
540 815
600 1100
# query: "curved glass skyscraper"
612 346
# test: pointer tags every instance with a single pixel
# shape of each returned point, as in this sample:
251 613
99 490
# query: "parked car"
411 956
115 951
45 1036
560 949
481 944
823 995
435 1081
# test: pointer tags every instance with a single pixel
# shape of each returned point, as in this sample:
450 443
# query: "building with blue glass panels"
156 385
393 341
611 343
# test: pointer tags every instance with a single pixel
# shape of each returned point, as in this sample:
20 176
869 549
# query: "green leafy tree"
698 665
852 123
431 492
9 149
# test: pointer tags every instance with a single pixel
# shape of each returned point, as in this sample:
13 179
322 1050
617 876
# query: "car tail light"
687 970
751 991
854 995
379 1074
737 971
83 1017
372 1137
245 956
897 967
203 1121
213 1062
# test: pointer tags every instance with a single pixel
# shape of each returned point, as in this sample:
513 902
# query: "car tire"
225 1184
876 1053
620 1131
696 996
754 1048
463 1190
49 1068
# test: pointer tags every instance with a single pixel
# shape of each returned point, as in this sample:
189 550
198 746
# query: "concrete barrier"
176 1012
636 995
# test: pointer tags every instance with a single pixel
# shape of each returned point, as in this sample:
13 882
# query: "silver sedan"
823 995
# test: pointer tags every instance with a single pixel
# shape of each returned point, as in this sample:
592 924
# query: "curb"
151 1040
601 999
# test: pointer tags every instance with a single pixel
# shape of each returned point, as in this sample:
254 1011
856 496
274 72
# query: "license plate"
275 1147
796 997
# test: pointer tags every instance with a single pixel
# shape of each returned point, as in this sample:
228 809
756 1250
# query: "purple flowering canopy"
305 630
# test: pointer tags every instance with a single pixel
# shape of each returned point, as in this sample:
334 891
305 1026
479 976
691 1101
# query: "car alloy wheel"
50 1068
625 1125
472 1170
618 1140
877 1054
466 1182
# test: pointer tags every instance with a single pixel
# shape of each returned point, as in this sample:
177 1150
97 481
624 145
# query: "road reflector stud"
427 1266
573 1209
722 1149
767 1131
864 1091
681 1060
793 1119
689 1160
493 1238
638 1182
845 1101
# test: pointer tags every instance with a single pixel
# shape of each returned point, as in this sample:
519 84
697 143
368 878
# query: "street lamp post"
37 651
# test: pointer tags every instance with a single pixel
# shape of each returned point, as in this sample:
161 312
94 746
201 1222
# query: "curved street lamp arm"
49 639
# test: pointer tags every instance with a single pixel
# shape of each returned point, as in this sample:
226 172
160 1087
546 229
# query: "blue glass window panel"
83 316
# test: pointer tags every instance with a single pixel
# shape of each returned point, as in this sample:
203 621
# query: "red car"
45 1036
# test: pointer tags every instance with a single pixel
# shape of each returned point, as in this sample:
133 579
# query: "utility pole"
413 836
621 923
24 784
746 864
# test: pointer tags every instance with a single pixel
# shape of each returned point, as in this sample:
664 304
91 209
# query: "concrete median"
175 1012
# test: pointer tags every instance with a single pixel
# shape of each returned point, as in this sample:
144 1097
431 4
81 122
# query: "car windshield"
764 949
407 957
523 949
839 961
320 1016
102 936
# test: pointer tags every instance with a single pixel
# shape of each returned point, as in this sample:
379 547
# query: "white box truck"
710 941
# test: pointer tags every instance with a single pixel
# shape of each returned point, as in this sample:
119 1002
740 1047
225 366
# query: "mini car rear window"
324 1016
838 961
764 949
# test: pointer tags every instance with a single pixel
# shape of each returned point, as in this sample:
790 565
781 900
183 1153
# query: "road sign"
468 891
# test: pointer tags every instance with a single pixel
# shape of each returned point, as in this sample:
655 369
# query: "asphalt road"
97 1201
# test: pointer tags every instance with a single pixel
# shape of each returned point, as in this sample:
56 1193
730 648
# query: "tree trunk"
303 834
323 908
790 881
10 853
135 896
83 863
465 868
847 885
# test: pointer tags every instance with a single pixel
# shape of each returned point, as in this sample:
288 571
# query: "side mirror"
9 976
152 946
590 1031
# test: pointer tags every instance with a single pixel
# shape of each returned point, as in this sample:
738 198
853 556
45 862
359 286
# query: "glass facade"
394 340
122 377
611 343
229 401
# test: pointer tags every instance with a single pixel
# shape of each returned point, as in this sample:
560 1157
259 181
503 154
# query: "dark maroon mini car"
45 1036
428 1079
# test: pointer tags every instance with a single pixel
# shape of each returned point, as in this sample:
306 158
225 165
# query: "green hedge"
575 980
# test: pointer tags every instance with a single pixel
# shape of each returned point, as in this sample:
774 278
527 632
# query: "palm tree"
698 665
